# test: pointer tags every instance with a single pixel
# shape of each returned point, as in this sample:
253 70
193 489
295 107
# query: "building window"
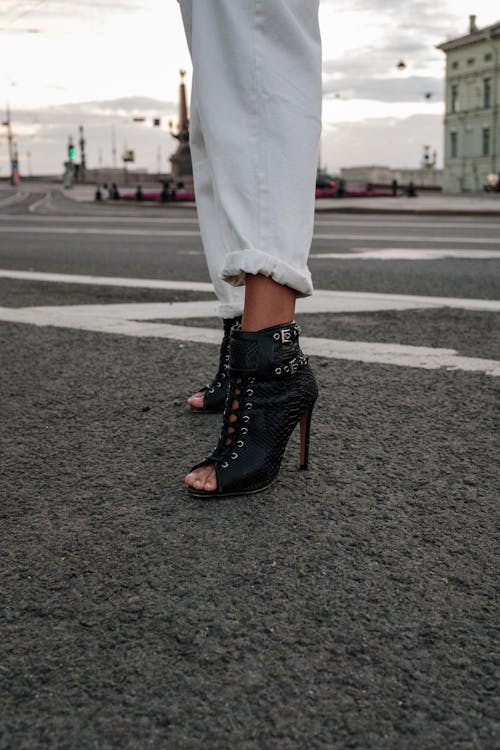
486 141
454 65
454 97
471 60
487 57
487 92
453 145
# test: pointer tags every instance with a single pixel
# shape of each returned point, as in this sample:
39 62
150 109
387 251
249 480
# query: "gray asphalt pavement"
351 606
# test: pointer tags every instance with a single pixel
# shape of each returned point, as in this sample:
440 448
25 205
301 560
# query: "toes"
211 482
196 479
196 400
203 478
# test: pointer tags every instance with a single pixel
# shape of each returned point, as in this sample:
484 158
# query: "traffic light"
157 122
71 150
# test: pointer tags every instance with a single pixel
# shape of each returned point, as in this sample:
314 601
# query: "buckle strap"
288 334
292 366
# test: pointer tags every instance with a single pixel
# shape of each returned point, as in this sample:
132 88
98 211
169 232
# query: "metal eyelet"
246 418
276 336
240 443
251 380
219 384
287 369
225 465
248 406
211 390
244 430
234 455
278 371
249 392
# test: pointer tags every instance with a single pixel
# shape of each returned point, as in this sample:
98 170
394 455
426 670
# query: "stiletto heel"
271 389
305 431
215 392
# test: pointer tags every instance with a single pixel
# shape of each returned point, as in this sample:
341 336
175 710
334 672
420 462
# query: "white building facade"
472 116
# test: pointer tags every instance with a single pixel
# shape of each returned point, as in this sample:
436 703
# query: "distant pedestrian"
139 195
412 190
115 193
394 188
98 193
340 187
165 191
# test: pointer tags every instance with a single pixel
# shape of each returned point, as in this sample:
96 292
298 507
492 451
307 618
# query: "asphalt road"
352 606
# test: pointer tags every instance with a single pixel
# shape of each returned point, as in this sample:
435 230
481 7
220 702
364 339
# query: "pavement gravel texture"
351 606
21 293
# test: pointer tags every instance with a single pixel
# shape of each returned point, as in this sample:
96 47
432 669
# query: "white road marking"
114 219
405 238
359 351
323 300
123 281
407 253
101 231
357 221
167 232
39 202
13 198
396 222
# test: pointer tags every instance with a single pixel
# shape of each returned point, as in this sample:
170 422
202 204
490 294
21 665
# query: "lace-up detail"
216 391
262 408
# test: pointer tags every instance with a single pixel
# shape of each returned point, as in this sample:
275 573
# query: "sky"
99 63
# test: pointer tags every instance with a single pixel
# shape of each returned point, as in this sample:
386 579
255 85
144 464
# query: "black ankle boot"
271 389
216 391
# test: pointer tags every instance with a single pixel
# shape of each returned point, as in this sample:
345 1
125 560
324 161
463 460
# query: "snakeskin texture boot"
216 391
271 389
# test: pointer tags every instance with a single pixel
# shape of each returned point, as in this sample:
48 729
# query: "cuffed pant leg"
257 87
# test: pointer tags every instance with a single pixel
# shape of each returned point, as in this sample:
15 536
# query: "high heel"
216 391
271 389
305 431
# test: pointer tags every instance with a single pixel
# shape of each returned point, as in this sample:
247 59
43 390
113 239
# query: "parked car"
325 180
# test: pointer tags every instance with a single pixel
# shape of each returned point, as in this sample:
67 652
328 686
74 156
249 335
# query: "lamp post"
14 166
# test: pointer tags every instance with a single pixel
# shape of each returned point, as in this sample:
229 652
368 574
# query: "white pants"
254 133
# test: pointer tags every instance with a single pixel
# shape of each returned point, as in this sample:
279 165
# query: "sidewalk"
425 204
474 204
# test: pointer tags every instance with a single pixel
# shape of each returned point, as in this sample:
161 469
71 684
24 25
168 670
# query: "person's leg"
230 298
257 85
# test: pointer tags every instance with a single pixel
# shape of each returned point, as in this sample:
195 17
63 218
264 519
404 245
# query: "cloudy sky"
98 63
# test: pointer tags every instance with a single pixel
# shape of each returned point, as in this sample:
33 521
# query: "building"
472 116
382 176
